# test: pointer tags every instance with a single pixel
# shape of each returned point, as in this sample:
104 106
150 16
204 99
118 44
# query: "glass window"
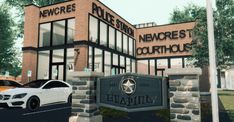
133 66
152 67
142 66
189 63
54 84
98 60
128 65
59 33
58 56
70 62
90 58
119 41
162 63
93 29
111 37
122 61
103 33
43 65
130 46
45 30
125 44
134 47
70 31
176 62
107 63
115 60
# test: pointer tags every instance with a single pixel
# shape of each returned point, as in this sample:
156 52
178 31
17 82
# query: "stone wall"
184 95
84 94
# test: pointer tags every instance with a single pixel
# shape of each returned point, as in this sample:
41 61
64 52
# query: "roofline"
49 4
167 24
113 12
116 13
73 0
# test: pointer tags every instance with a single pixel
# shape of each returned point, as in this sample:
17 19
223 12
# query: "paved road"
52 113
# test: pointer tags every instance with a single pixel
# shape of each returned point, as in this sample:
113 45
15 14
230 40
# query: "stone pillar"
84 96
184 94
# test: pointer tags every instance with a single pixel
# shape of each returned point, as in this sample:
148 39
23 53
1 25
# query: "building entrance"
57 71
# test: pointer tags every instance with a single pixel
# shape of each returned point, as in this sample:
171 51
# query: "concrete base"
97 118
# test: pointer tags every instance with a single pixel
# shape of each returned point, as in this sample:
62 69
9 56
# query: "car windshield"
9 83
35 84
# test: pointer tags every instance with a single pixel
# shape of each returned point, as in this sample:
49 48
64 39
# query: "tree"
224 32
20 4
16 68
7 36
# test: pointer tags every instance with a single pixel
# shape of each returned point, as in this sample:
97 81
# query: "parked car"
37 93
6 84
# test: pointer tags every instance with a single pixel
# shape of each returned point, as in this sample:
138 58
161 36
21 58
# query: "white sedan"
37 93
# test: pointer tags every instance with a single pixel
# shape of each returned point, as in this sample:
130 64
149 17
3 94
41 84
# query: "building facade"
82 35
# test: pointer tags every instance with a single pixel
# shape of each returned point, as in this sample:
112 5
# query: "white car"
37 93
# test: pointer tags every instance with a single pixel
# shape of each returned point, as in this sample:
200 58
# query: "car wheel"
69 99
33 103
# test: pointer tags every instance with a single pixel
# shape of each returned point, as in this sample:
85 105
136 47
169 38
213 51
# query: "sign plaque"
132 92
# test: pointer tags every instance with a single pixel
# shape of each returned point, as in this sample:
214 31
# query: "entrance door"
57 72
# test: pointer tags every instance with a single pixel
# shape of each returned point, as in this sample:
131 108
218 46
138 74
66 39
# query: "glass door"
57 71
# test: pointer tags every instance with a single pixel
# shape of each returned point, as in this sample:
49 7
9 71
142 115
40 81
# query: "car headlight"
19 96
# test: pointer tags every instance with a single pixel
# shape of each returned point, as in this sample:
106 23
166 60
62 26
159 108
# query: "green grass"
227 99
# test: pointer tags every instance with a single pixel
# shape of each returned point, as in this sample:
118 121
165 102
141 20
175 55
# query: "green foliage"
20 4
107 112
7 36
224 31
16 68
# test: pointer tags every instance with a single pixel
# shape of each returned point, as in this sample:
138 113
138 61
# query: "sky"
142 11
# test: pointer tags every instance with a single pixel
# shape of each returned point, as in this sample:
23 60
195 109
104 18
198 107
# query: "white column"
212 62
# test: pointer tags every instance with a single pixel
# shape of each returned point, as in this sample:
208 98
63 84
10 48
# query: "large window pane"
103 34
43 65
128 65
133 66
111 37
134 47
58 56
176 63
152 67
70 31
90 58
130 46
70 62
142 66
45 30
59 32
93 29
107 63
162 64
115 60
122 61
98 60
119 41
125 44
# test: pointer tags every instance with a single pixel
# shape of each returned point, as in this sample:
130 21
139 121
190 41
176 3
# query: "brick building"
87 35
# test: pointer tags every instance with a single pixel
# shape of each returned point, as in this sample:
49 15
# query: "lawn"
227 99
